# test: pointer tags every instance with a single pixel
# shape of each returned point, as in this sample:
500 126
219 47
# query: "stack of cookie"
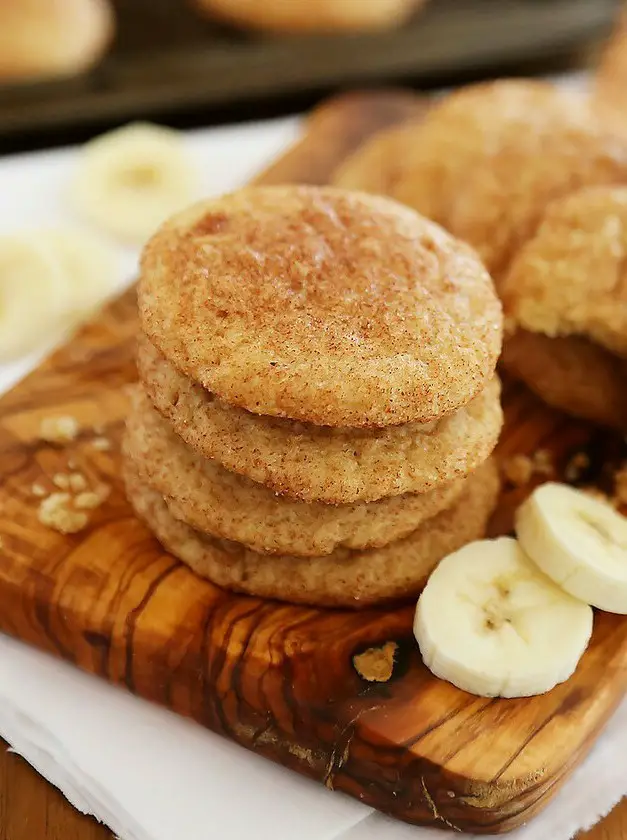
317 404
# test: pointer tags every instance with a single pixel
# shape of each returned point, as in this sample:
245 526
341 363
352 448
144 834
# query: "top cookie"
571 278
460 133
321 305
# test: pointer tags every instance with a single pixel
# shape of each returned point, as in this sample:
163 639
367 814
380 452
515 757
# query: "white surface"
146 773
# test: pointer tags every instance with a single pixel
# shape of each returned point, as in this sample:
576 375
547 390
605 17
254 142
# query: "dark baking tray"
167 59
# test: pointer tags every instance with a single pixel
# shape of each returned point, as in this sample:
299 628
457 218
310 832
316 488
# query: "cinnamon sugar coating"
462 131
345 578
220 503
323 463
321 305
503 202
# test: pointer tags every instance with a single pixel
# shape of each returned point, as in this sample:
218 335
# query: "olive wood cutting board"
285 681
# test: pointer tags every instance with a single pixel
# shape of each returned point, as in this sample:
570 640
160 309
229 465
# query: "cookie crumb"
518 470
102 444
89 500
77 482
99 429
543 462
377 663
577 465
38 490
61 480
62 429
56 512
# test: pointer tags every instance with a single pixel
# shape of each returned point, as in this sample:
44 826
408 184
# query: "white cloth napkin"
146 773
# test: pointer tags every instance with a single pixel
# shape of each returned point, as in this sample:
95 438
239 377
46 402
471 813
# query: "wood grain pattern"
278 679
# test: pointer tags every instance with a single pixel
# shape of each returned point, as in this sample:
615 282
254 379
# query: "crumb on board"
518 470
89 500
56 512
61 481
77 482
543 462
577 465
61 429
377 663
102 444
38 490
65 511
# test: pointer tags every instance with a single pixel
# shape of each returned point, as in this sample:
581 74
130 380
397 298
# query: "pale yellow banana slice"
492 625
90 265
578 541
34 294
130 180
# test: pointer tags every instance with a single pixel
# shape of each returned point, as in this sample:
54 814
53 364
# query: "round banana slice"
130 180
492 625
578 541
34 294
91 266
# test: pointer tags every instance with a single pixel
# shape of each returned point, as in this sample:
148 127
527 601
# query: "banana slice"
130 180
34 294
491 624
91 266
578 541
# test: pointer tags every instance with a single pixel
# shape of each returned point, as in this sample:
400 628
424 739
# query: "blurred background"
71 68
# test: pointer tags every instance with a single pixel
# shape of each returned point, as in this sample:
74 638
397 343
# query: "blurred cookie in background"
307 16
48 38
378 165
610 87
427 165
502 202
566 297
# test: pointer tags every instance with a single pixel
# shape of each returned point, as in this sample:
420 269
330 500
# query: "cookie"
502 203
213 500
342 579
304 16
571 277
321 463
321 305
572 374
610 80
378 164
40 40
459 135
